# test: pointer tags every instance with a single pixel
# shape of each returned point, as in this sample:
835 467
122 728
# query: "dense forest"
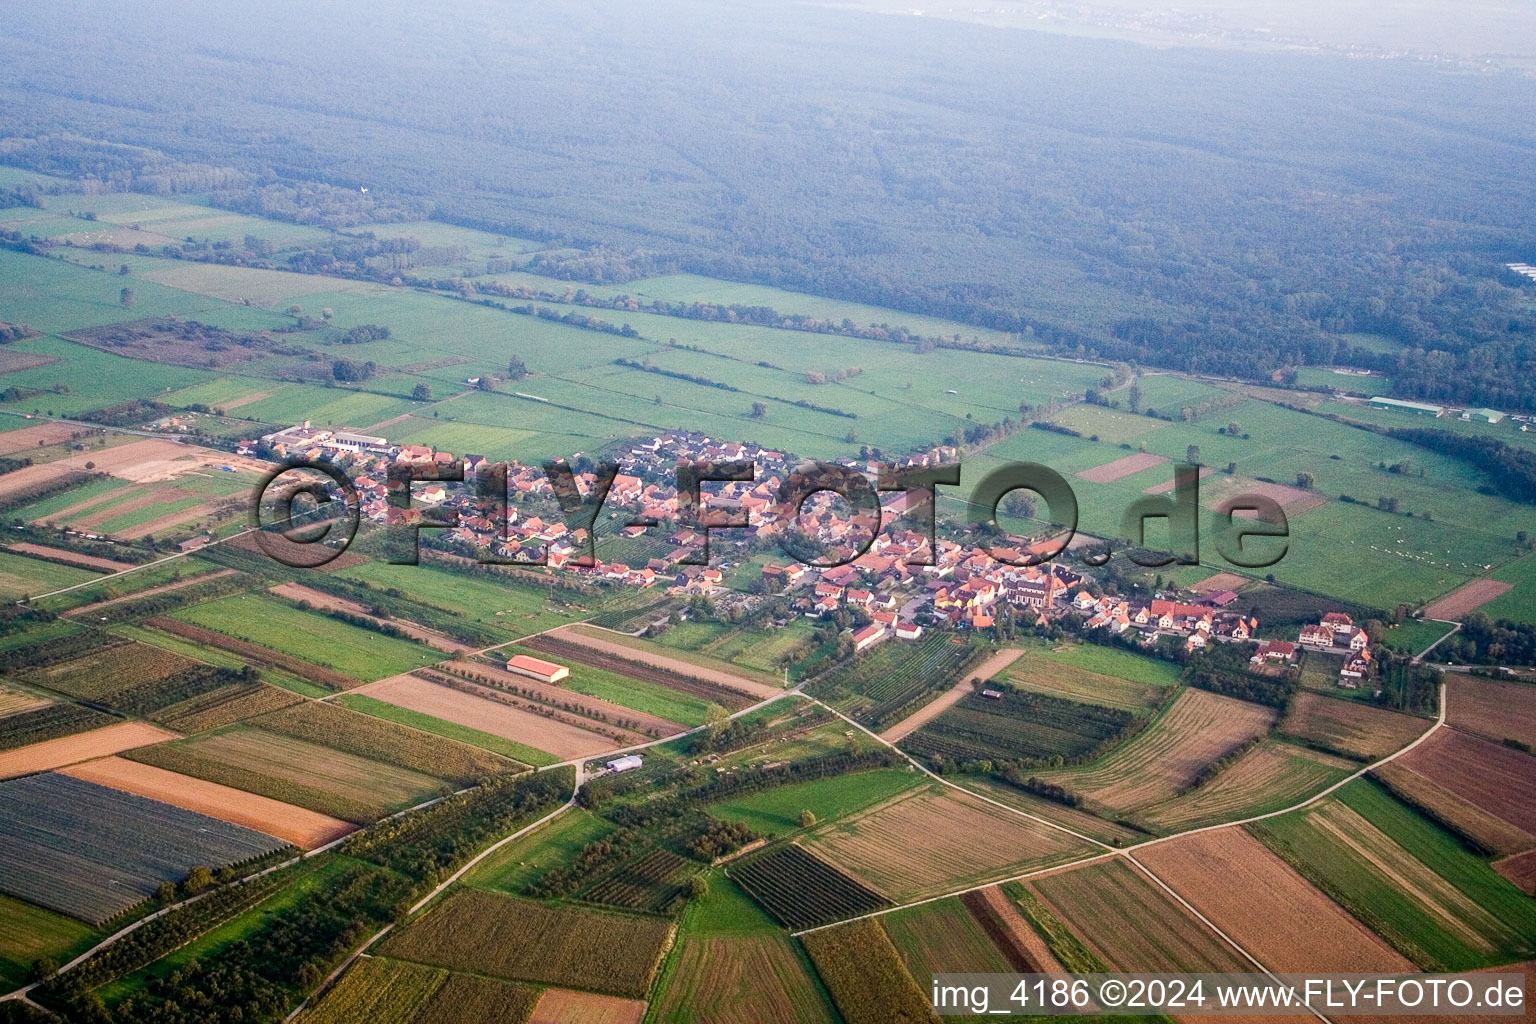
1233 213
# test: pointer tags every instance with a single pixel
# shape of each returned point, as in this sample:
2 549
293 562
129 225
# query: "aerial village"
893 590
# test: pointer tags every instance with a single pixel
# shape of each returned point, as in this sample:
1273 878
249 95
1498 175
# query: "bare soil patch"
1293 500
1267 907
1519 869
84 746
28 477
70 557
1123 467
302 828
1464 599
949 698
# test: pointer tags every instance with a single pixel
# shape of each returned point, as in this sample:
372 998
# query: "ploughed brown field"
301 827
1497 779
1266 907
1488 707
1464 599
1519 869
549 735
83 746
1350 727
1111 471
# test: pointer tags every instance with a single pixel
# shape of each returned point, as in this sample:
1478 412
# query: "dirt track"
934 708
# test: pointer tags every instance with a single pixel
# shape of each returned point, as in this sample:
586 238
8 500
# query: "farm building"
868 636
1398 405
538 668
1486 415
625 763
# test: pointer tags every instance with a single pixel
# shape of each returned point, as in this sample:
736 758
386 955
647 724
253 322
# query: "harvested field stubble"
1266 907
865 975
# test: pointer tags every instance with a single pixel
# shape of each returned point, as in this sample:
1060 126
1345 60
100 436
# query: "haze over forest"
1225 210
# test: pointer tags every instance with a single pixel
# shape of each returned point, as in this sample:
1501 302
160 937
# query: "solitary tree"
1192 455
759 410
1304 480
806 819
1133 397
698 888
295 309
1234 429
327 313
516 368
127 297
421 392
1019 505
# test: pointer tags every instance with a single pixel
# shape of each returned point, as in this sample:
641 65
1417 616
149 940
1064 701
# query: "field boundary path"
954 695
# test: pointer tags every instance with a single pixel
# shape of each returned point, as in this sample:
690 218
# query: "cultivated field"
464 998
1131 923
893 680
1492 776
1061 679
1018 724
865 974
1442 907
934 938
114 739
988 669
1015 937
1266 907
1466 598
27 726
225 706
1269 777
612 683
378 991
43 435
740 979
1112 471
564 1006
559 738
906 846
1490 708
294 825
93 852
1461 816
289 770
14 701
631 650
72 557
800 890
622 725
94 678
485 933
330 602
356 733
254 653
557 647
1350 727
1169 755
